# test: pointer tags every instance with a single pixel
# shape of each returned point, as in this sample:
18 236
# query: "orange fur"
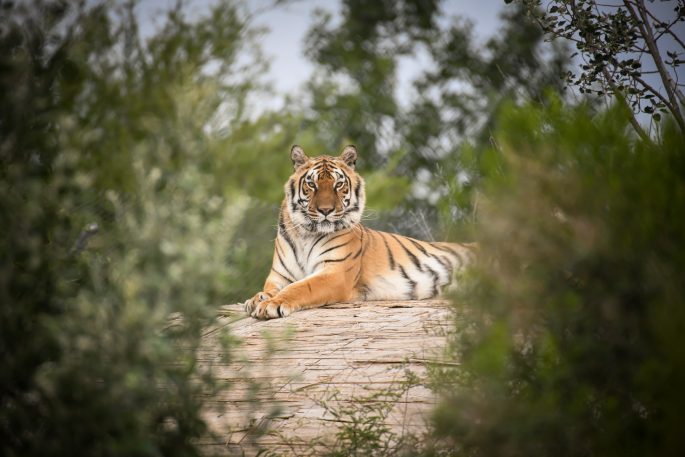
323 254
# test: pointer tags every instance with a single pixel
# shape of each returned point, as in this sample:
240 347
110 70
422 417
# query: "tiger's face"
325 194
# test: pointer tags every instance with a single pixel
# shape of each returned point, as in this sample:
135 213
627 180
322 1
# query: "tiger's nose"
326 210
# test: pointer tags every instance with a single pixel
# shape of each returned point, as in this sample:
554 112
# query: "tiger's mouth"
329 219
327 225
316 223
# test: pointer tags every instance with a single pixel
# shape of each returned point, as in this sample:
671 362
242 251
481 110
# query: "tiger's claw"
252 303
271 309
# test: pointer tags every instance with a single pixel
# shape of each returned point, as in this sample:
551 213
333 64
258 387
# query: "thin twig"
645 28
631 118
667 29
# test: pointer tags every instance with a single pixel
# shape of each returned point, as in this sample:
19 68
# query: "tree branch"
610 81
658 94
622 101
643 24
667 29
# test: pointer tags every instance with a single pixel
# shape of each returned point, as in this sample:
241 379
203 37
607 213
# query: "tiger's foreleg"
273 284
313 291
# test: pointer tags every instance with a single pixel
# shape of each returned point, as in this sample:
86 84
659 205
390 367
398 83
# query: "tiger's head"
324 193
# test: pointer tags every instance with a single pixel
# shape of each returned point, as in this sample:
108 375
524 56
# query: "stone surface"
293 382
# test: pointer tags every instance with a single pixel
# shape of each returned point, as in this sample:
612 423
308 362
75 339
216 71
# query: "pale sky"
287 25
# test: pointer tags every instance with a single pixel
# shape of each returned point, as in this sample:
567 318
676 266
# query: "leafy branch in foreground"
100 126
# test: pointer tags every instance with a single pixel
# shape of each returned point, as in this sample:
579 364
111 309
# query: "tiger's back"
323 254
396 267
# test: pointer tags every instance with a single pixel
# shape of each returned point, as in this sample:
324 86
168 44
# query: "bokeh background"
144 146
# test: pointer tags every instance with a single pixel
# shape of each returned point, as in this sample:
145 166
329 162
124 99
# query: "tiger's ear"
298 157
349 155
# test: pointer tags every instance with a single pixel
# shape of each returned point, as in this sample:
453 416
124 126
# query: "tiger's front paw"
272 308
252 303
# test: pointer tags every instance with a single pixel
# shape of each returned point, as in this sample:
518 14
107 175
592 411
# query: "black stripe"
450 267
280 259
361 243
335 247
315 243
330 261
299 185
337 260
282 275
284 233
445 264
357 188
459 259
436 278
391 259
364 291
295 199
446 249
411 255
412 294
326 170
418 245
359 273
336 236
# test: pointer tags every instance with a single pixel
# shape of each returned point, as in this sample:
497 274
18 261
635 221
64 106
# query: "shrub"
570 327
111 221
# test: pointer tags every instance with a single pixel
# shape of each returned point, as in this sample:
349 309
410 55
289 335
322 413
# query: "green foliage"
451 125
460 97
363 429
363 424
102 129
353 97
570 327
419 147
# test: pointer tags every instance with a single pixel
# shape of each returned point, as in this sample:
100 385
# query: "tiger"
323 254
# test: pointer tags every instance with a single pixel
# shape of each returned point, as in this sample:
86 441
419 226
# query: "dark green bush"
570 328
101 127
